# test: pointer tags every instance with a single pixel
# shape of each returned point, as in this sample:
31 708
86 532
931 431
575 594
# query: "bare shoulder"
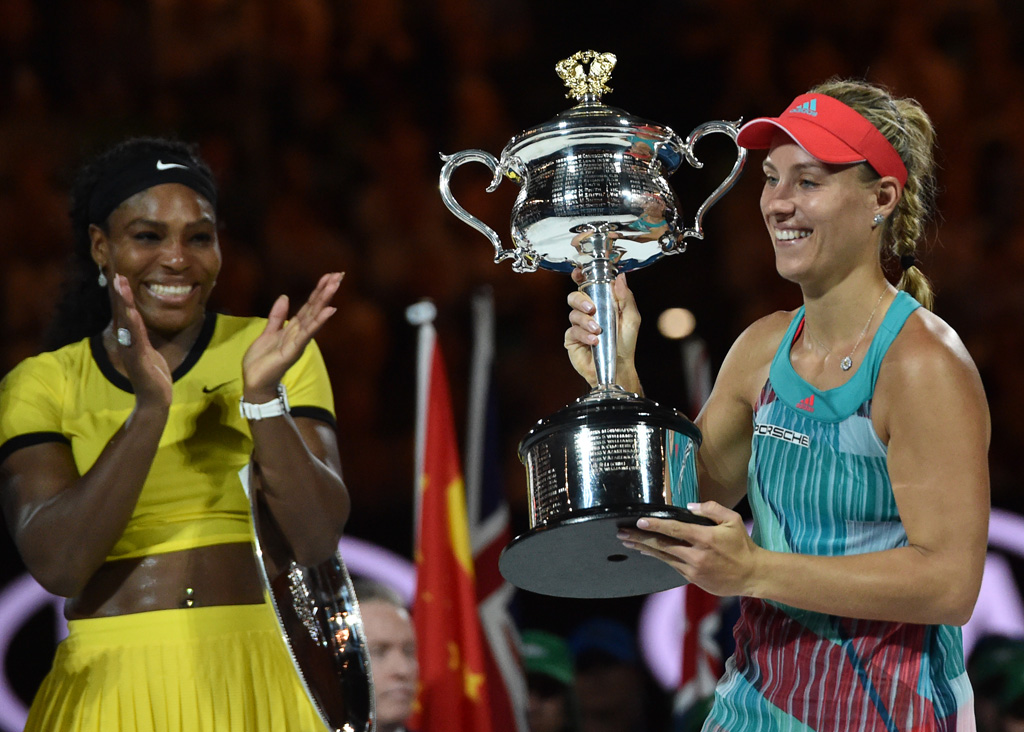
757 344
927 347
928 367
746 366
764 334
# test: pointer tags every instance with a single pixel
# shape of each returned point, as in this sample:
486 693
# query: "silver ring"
124 337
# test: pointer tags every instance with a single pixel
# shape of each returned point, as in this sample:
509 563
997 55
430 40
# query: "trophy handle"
451 162
732 130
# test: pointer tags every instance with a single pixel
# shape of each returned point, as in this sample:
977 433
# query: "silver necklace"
847 363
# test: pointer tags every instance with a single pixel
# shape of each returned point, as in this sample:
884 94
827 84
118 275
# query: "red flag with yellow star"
452 692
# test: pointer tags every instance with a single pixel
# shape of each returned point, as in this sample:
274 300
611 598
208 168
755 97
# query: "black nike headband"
145 172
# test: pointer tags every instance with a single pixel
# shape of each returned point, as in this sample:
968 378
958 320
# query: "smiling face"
819 215
164 241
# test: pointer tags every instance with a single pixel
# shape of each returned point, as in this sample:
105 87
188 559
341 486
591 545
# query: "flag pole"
421 315
489 527
476 422
453 694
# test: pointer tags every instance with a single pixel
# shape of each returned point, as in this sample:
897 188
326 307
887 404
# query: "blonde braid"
907 126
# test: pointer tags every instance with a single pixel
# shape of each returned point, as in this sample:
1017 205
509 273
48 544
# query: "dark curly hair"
83 307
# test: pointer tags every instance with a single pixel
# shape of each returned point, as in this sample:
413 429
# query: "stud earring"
102 279
879 218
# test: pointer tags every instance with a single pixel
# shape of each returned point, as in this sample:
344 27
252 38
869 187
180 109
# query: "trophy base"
581 557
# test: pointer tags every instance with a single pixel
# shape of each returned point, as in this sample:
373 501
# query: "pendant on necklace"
846 364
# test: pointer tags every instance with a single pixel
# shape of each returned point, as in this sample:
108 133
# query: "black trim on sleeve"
317 413
115 377
32 438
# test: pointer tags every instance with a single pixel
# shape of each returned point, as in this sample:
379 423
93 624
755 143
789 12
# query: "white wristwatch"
274 408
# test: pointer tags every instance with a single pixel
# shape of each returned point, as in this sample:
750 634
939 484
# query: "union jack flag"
489 531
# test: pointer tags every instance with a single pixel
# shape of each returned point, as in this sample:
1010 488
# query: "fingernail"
620 534
642 523
693 507
592 326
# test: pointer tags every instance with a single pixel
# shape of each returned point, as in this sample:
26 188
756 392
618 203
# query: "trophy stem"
599 276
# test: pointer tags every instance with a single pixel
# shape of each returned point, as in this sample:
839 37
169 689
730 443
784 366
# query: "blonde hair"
909 129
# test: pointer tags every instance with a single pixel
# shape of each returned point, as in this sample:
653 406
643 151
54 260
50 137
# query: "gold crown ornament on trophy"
594 194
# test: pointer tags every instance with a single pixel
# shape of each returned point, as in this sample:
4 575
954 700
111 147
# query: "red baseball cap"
830 131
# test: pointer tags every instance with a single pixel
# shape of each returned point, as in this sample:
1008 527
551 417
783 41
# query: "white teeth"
789 234
169 290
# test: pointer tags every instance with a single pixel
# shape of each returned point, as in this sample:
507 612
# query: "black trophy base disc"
581 557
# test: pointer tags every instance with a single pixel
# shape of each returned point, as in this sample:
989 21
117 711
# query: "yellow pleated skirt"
201 669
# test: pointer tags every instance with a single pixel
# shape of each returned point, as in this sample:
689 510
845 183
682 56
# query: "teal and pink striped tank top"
818 484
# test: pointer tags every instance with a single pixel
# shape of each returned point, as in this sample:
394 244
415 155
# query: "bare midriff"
223 574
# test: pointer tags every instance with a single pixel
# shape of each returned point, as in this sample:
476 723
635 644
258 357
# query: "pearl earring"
879 218
102 279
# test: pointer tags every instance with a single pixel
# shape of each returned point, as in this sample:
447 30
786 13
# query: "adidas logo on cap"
809 108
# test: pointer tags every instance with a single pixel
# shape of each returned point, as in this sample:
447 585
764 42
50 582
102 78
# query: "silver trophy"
593 194
318 616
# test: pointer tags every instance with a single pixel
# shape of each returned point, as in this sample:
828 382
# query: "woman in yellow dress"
119 460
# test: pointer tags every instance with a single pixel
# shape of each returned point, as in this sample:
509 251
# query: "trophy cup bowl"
594 194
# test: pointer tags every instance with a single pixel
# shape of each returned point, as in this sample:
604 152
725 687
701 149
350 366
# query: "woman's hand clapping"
147 369
281 343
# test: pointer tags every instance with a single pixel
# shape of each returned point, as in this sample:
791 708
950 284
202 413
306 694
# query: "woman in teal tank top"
858 429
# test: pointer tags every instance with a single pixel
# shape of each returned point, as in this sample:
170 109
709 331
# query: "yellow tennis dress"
200 668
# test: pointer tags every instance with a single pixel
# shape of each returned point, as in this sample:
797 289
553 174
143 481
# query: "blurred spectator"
392 646
611 685
696 714
996 670
549 680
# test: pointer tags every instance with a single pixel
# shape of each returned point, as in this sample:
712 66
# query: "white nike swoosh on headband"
161 165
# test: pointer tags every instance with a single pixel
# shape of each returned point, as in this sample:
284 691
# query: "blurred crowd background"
323 121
